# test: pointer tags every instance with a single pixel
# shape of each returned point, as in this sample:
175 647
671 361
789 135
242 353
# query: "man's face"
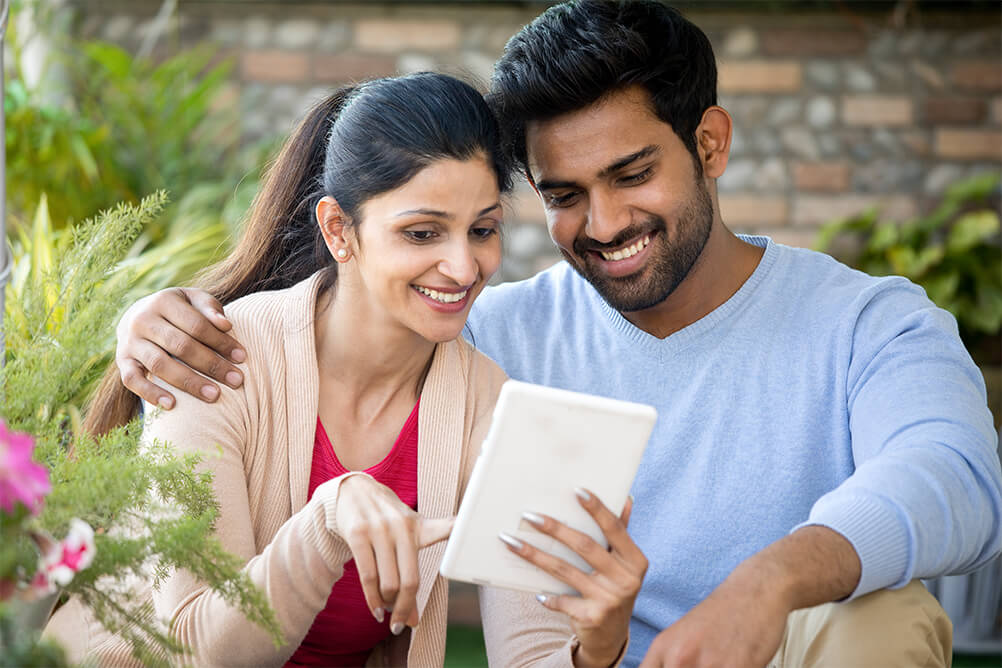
625 200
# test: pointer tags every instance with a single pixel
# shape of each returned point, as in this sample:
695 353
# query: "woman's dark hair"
577 52
359 142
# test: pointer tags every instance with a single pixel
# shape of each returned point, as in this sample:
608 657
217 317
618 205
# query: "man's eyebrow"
625 161
645 152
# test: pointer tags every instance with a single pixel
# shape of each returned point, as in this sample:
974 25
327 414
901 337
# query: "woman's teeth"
629 251
444 297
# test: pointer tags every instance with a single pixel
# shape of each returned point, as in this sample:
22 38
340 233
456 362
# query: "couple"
823 435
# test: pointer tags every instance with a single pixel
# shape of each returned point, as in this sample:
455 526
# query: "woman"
361 404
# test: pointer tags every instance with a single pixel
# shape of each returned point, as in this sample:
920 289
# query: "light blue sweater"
815 395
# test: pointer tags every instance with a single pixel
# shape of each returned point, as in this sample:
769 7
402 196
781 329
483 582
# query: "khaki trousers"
904 628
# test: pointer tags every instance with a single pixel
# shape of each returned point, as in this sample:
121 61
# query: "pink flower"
21 479
61 561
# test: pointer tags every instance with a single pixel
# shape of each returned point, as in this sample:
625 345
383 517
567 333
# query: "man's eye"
633 179
419 235
560 201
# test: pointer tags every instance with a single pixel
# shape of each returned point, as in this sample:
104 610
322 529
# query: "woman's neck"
365 354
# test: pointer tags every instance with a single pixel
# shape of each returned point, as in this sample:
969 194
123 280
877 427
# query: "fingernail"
397 628
209 392
533 518
510 540
165 402
542 598
238 355
233 378
379 615
582 494
631 498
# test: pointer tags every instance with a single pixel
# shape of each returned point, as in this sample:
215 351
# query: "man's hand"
171 334
741 623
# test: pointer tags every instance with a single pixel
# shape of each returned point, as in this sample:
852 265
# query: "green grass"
464 648
977 661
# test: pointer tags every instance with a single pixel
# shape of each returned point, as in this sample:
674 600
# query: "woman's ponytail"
281 244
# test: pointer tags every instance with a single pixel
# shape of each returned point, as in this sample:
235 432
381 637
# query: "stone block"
821 176
349 66
953 110
296 34
858 77
800 142
928 75
393 35
820 111
963 144
823 74
753 210
740 42
274 65
876 110
257 32
800 42
814 210
997 111
978 75
333 36
759 76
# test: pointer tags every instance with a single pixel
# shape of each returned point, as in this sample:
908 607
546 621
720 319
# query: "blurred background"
870 129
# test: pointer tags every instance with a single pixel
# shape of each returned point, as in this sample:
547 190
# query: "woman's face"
424 251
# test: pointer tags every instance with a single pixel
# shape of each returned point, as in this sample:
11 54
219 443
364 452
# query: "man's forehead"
597 135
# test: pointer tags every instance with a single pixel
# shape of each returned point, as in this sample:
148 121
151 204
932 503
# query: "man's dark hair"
579 51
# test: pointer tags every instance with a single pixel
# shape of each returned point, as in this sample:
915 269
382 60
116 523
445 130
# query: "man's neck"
721 269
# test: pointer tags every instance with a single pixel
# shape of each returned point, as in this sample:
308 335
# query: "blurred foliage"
118 127
954 252
152 511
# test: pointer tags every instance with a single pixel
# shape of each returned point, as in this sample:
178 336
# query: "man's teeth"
444 297
629 251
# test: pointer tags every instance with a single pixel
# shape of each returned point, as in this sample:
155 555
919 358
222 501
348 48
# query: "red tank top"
344 632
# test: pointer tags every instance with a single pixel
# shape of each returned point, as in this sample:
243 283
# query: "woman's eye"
420 235
633 179
482 232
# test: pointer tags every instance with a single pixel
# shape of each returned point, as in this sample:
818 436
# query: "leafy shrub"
953 252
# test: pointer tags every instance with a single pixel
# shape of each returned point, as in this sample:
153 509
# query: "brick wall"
833 112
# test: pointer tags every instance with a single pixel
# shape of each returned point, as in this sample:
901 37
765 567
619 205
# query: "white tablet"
542 444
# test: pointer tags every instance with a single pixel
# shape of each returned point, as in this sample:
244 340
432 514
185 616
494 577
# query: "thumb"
432 531
627 511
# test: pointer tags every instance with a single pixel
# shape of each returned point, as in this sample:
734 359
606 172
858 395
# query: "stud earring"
342 253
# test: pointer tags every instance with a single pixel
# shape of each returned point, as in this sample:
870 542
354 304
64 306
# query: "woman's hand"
600 616
384 536
171 334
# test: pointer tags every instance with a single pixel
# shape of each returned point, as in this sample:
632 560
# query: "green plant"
148 506
953 252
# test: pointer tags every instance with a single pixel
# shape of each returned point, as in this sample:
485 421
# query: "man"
822 434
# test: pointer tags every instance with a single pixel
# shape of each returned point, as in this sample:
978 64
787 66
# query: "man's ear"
334 225
713 141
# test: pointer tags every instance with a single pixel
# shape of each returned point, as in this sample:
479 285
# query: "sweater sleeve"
926 495
296 570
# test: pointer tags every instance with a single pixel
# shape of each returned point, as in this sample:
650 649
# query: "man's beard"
668 265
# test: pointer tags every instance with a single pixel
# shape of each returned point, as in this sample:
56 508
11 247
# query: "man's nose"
606 217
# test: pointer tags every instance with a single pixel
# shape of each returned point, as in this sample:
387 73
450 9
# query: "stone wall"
834 112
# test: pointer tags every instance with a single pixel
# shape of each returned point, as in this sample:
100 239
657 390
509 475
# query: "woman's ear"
334 226
713 140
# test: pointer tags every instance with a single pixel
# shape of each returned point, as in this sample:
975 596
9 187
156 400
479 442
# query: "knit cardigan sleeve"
296 569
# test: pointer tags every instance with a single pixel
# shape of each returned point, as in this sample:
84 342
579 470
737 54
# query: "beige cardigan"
258 442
